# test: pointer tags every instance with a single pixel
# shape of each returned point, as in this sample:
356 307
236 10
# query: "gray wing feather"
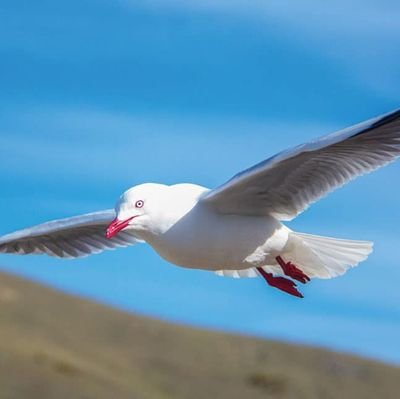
286 184
73 237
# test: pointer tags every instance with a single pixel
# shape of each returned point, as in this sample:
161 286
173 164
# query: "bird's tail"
325 257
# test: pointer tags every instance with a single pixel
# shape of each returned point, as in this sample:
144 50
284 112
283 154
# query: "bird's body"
186 231
194 236
235 229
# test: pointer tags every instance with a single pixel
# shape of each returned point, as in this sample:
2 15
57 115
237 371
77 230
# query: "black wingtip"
383 120
390 117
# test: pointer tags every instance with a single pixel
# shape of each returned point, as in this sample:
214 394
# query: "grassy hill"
57 346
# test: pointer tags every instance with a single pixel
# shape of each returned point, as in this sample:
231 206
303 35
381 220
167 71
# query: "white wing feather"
251 272
73 237
286 184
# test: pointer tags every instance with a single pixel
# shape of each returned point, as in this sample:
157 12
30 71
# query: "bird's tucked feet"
282 283
292 271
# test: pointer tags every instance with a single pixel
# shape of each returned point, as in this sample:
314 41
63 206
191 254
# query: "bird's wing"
286 184
73 237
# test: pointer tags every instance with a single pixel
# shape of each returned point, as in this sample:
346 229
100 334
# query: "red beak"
116 225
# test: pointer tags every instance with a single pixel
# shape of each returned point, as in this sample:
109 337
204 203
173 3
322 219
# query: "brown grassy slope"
57 346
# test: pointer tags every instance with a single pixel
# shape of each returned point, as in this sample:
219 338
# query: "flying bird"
235 229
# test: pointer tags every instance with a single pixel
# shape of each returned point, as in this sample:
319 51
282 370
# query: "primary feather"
286 184
73 237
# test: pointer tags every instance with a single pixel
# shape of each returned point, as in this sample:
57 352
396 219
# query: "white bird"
235 229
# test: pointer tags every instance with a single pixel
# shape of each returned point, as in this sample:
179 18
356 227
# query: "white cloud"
362 37
358 17
93 144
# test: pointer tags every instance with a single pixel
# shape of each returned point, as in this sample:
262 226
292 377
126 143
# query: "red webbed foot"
292 271
282 283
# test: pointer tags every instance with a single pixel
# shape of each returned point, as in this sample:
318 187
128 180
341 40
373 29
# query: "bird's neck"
175 204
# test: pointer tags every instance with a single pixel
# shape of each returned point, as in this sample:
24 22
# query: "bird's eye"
139 204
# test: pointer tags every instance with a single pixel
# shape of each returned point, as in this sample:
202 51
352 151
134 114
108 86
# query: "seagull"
235 229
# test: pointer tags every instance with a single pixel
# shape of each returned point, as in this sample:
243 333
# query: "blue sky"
97 96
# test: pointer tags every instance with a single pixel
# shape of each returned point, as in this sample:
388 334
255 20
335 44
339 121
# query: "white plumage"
235 229
286 184
73 237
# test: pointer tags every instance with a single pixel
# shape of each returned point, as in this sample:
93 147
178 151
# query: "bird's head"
137 208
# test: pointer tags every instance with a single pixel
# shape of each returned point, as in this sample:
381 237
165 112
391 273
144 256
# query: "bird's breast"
206 240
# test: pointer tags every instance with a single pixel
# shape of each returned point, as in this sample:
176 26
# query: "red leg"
292 270
282 283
